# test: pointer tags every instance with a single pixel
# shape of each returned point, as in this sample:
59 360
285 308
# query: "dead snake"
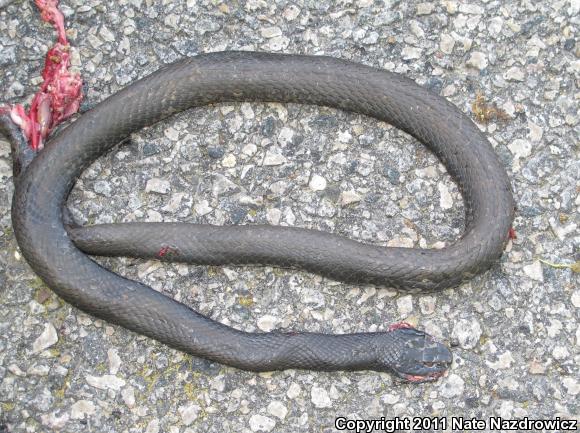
57 251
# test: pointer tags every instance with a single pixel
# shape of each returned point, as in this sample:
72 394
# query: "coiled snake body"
52 248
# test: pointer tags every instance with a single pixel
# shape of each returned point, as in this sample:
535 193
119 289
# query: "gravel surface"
514 330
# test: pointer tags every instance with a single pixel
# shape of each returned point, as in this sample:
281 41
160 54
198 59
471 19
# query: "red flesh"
163 251
400 325
60 94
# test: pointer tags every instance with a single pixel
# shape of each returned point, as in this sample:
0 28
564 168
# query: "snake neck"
312 351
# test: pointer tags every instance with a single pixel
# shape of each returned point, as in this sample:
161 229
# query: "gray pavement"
514 330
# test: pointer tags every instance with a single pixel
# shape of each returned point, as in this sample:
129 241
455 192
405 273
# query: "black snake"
51 245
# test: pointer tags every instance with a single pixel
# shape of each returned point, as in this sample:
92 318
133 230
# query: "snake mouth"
431 377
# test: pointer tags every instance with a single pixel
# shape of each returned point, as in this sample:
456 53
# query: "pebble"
45 340
277 409
349 197
503 362
114 361
273 158
157 185
271 32
291 12
535 271
202 208
452 386
535 131
317 183
261 423
445 200
572 386
424 8
273 216
108 381
229 161
319 397
495 26
446 43
560 353
152 426
278 43
405 305
107 34
293 391
411 53
267 323
514 74
215 152
477 60
467 333
188 413
285 136
103 188
82 409
470 8
128 396
575 298
520 148
427 304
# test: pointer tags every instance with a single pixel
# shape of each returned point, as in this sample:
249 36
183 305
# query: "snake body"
53 249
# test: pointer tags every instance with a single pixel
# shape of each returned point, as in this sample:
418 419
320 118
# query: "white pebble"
520 148
405 305
452 386
229 161
153 426
317 183
349 197
293 390
273 215
446 44
477 60
319 397
202 208
504 361
128 396
576 298
267 323
157 185
534 271
114 361
189 413
271 32
514 74
261 423
273 158
445 201
108 381
277 409
424 8
46 339
467 332
411 53
81 409
572 386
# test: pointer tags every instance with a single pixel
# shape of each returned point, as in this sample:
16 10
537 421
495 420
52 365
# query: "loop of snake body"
57 250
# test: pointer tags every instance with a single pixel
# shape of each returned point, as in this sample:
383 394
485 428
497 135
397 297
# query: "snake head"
418 357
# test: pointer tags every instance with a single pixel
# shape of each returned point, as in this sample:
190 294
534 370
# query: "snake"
57 248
